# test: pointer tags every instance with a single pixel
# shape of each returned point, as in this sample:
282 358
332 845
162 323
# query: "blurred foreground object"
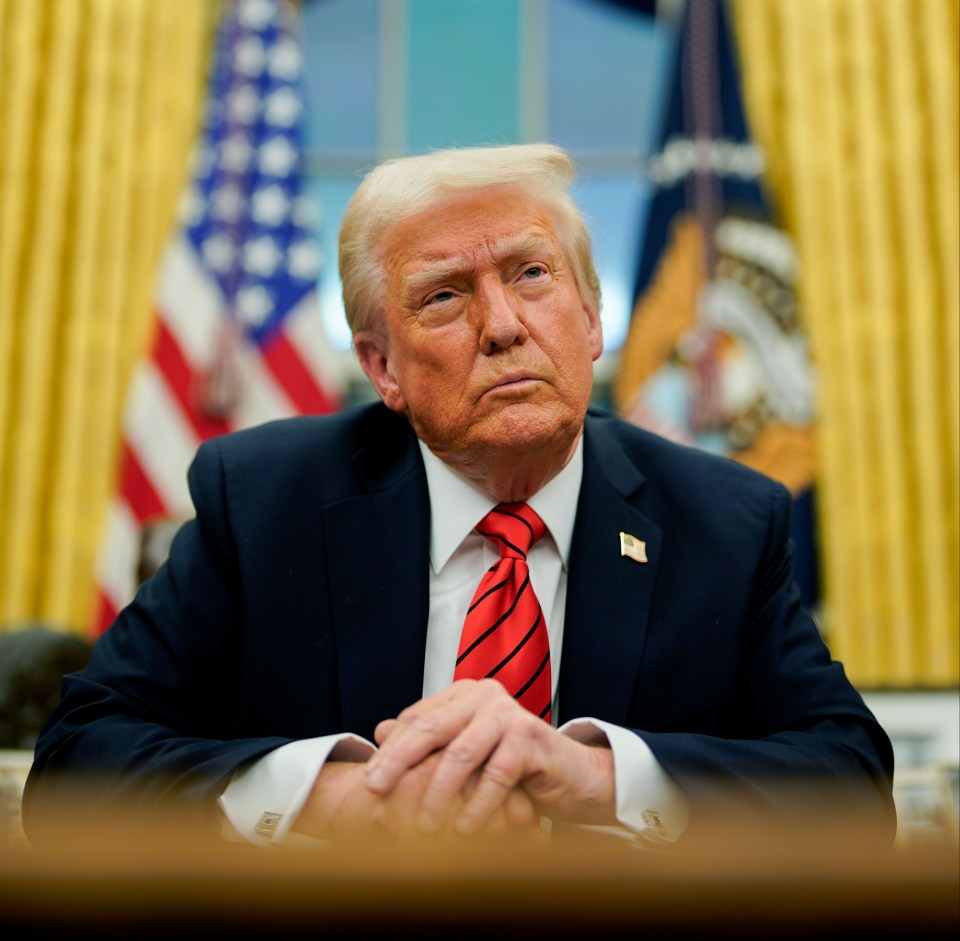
822 879
928 804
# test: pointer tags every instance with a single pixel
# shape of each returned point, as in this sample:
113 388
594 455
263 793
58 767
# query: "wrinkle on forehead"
502 249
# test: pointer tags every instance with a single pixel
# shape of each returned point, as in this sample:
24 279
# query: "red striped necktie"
504 634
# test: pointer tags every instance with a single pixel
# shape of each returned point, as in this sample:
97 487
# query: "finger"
461 761
396 811
425 727
521 819
499 778
518 811
383 730
517 818
528 752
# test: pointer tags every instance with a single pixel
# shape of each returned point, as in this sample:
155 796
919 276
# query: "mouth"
514 383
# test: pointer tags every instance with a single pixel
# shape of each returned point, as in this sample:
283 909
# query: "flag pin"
634 548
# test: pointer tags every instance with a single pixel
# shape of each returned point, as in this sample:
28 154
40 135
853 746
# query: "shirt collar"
457 504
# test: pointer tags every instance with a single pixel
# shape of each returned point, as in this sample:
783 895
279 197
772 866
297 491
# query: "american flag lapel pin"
633 548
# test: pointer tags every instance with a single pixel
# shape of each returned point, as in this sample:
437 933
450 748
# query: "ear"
373 352
594 330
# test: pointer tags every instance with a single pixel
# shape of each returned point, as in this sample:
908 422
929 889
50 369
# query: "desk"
726 885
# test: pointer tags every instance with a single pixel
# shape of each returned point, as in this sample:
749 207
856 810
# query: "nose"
501 317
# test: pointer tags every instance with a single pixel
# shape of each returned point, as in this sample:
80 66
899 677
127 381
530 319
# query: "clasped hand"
468 760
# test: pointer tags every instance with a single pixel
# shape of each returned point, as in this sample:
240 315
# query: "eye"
533 272
439 298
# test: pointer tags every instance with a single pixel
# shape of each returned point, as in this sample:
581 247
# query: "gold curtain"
99 108
856 104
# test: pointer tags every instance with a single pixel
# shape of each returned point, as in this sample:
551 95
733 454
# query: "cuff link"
267 825
652 819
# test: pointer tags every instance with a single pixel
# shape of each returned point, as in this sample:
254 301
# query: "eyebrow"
503 250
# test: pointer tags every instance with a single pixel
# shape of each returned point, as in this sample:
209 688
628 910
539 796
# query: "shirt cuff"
648 800
263 799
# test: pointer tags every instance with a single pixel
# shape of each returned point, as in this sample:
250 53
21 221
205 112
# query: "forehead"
491 221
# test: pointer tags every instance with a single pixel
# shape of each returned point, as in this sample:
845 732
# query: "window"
389 77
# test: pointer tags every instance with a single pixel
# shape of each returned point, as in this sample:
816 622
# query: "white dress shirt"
263 800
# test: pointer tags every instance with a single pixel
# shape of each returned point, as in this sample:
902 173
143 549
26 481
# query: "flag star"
236 153
227 202
306 213
261 256
203 162
277 157
212 112
283 107
284 60
218 252
304 259
270 206
250 56
256 14
254 304
192 207
243 104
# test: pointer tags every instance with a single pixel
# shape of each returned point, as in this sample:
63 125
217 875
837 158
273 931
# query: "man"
329 593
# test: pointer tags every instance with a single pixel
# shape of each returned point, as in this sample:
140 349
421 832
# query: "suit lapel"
379 568
608 594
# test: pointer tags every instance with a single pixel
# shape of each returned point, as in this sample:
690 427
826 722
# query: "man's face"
486 344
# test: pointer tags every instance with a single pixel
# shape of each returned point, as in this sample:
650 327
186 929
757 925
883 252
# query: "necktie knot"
513 528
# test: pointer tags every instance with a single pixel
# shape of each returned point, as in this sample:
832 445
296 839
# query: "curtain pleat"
99 109
856 104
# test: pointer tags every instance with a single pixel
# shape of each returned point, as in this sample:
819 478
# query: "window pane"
606 76
341 71
462 73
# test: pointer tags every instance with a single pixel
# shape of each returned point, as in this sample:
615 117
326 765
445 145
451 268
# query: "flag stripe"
189 301
263 398
182 381
137 489
115 575
105 611
306 330
290 372
161 437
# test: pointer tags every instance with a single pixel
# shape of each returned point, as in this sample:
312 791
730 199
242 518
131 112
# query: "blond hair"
402 187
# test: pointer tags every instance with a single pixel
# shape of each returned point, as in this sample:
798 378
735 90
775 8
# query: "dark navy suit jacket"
295 605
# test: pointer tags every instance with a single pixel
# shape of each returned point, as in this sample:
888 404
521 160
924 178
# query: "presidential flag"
238 337
716 354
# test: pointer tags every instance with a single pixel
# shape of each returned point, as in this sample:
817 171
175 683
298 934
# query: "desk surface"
723 885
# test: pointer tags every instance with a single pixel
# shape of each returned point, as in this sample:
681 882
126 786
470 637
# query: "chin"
532 429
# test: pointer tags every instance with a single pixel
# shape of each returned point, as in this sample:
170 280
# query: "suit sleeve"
803 745
148 724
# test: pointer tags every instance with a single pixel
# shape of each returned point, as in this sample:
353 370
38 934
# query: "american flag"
238 337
